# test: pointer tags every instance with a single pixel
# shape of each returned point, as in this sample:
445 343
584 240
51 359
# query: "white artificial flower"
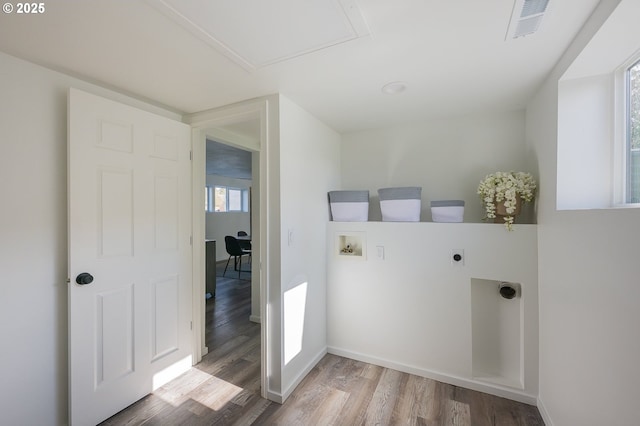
507 187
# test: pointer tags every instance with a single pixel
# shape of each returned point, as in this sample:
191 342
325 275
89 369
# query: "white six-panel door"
129 189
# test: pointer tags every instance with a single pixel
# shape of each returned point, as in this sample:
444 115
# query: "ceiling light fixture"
394 87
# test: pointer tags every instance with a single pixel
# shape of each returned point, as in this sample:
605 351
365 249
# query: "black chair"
236 251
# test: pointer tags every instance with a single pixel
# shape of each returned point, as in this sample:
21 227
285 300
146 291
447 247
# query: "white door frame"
204 124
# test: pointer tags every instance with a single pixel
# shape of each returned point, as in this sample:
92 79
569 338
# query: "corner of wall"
541 139
302 374
543 413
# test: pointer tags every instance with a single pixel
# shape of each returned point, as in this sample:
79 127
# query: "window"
234 200
220 199
632 131
226 199
208 204
598 133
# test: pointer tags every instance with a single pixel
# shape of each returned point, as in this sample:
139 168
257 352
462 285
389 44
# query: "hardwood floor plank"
215 393
328 412
456 413
360 396
407 409
244 374
384 398
138 413
180 389
253 407
267 414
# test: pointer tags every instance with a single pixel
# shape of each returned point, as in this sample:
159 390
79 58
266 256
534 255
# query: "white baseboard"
255 318
544 413
289 390
274 397
468 383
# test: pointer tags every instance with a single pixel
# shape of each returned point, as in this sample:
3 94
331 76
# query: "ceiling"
225 160
329 56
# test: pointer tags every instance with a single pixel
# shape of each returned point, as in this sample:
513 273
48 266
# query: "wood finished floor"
224 389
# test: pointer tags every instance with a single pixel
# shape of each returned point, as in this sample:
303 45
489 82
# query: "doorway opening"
230 325
244 128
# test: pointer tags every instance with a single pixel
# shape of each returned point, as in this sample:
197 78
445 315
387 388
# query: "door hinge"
191 240
191 155
191 324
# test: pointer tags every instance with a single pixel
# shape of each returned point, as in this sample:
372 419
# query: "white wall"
446 157
585 163
588 283
218 225
309 168
33 242
412 310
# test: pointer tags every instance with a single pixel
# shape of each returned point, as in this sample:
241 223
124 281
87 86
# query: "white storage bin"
447 210
349 206
400 204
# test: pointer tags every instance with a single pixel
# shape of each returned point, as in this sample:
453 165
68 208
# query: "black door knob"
84 278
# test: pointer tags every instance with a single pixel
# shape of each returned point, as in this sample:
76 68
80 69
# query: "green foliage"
634 105
634 134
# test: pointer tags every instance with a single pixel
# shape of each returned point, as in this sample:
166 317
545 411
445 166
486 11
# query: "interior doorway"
227 197
243 127
229 177
232 334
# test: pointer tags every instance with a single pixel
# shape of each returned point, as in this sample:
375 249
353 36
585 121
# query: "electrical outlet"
457 257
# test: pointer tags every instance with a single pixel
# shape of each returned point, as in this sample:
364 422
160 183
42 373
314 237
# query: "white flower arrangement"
507 187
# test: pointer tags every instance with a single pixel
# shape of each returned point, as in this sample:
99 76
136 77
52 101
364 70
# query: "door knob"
84 278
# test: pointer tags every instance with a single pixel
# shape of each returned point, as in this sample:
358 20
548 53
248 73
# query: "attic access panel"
256 33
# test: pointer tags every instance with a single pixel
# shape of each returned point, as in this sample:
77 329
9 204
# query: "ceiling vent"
526 17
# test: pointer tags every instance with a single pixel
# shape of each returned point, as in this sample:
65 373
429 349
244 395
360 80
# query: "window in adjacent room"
208 199
234 200
225 199
632 131
220 197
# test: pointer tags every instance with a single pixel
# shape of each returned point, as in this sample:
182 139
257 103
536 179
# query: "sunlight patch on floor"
169 373
209 391
175 392
215 393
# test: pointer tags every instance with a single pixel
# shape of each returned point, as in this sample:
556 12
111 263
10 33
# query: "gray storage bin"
349 206
401 204
447 210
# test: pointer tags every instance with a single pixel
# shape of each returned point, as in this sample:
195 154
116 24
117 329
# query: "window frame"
635 62
210 204
208 197
239 191
622 134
